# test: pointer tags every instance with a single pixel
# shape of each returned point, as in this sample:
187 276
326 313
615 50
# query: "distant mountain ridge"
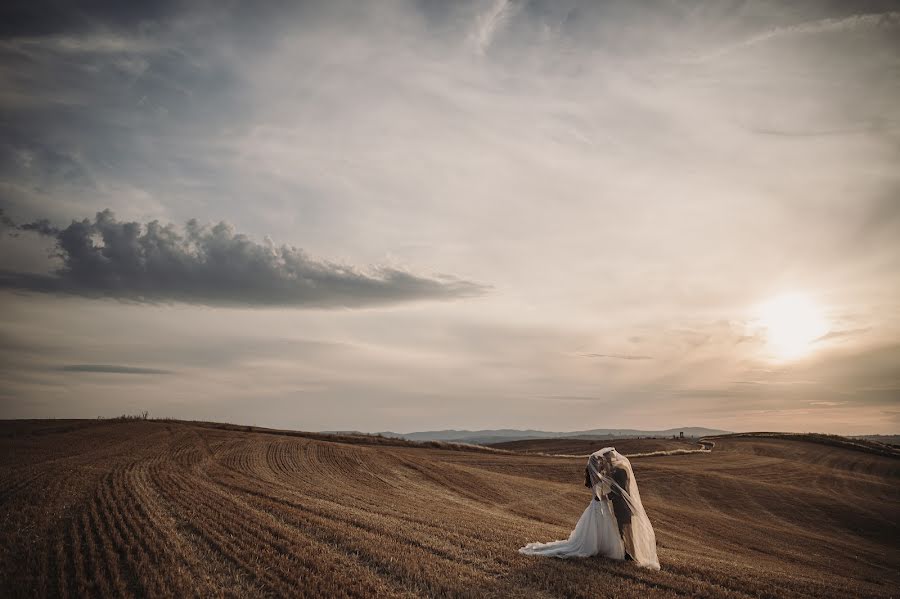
886 439
481 437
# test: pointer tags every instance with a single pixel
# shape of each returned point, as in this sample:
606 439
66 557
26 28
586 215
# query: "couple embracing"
615 524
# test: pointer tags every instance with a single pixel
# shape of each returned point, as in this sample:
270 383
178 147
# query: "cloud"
873 21
112 369
774 382
42 227
618 356
487 23
5 221
841 334
79 44
575 155
213 265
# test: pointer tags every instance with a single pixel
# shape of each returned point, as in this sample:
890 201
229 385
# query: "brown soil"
144 508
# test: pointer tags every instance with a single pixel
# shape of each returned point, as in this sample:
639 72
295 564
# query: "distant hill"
483 437
886 439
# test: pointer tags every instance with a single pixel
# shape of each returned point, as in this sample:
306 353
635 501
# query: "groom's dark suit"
620 506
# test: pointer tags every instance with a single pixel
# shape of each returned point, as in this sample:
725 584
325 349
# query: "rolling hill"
583 447
145 508
501 435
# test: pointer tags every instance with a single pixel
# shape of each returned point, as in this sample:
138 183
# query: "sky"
403 215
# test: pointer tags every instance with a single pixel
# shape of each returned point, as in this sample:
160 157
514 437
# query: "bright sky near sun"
481 214
792 324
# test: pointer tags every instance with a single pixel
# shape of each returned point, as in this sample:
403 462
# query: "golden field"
165 508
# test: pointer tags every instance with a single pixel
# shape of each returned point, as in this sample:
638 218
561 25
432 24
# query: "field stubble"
144 508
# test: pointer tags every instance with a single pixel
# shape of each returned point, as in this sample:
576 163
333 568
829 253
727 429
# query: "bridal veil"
601 465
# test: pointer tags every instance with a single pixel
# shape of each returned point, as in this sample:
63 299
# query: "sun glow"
792 324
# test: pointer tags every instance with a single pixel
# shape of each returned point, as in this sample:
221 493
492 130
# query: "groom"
621 507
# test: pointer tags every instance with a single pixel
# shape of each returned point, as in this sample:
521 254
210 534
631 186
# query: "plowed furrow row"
429 536
213 569
270 526
64 578
107 553
434 528
423 566
171 551
251 543
115 540
91 578
149 553
207 521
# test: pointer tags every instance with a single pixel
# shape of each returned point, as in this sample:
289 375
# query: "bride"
614 525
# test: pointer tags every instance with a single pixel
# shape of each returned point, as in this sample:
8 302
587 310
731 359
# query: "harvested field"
588 446
144 508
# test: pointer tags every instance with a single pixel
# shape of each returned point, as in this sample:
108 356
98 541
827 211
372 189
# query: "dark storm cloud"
214 266
42 227
112 369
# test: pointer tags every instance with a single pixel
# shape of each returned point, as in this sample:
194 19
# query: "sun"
792 323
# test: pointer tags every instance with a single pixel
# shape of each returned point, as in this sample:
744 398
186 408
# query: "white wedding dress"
596 533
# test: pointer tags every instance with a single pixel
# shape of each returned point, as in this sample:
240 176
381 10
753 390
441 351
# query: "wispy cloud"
488 22
112 369
887 20
618 356
786 383
840 334
94 43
